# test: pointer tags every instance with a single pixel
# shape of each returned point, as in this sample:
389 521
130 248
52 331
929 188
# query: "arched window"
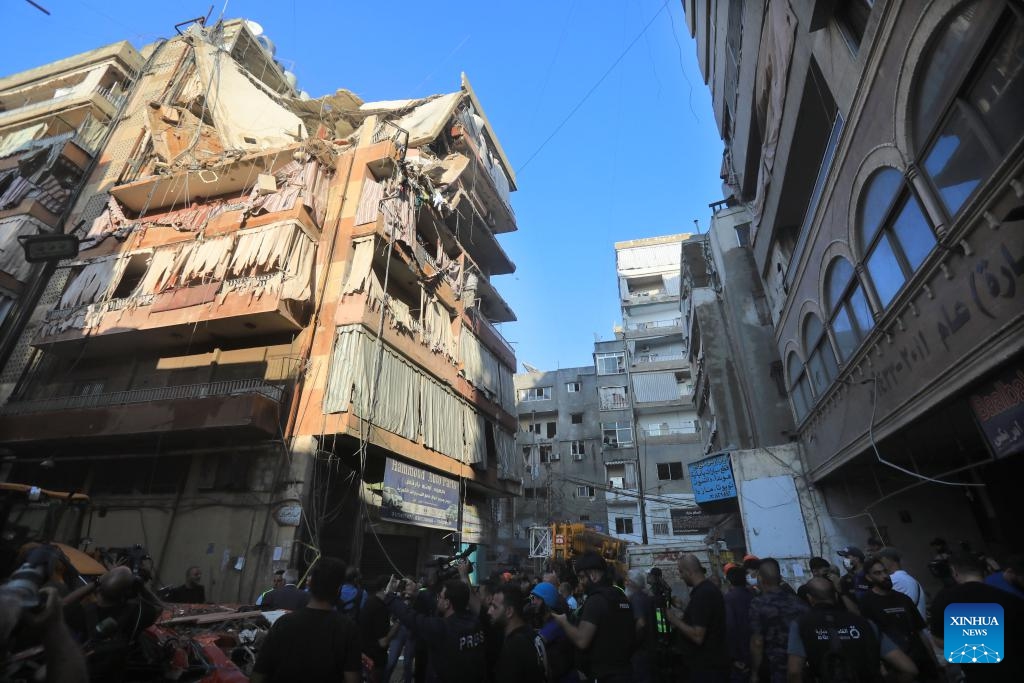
968 103
821 362
893 231
849 313
799 387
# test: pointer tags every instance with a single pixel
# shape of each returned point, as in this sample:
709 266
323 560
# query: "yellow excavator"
570 540
30 516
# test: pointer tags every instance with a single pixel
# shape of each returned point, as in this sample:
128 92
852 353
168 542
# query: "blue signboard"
416 496
712 479
999 407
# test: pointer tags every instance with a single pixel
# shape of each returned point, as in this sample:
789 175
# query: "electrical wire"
871 436
593 88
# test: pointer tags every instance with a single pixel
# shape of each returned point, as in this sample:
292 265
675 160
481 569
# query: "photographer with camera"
108 623
453 637
32 614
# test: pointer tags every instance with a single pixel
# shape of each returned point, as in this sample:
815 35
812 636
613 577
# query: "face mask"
847 563
751 580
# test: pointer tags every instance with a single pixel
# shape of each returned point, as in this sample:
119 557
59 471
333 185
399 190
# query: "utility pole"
628 358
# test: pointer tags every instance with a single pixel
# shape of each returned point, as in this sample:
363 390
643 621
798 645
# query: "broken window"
572 387
551 427
613 398
134 270
617 434
670 471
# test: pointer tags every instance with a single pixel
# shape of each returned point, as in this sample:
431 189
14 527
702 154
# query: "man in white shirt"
901 580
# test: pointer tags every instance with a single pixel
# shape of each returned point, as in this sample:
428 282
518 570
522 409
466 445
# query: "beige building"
54 120
878 148
278 339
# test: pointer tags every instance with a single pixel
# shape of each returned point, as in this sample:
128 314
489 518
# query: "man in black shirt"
454 639
314 643
897 617
190 592
829 644
375 630
287 596
606 630
518 662
968 571
702 625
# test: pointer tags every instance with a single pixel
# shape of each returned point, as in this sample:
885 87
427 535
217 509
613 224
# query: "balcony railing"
235 387
658 357
655 324
669 431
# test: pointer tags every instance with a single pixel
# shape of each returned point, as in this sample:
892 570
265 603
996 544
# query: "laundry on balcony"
369 201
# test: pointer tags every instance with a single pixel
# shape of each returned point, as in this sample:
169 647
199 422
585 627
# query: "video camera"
20 593
448 567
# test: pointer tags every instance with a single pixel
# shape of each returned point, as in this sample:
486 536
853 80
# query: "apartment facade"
279 337
649 424
53 123
559 441
878 148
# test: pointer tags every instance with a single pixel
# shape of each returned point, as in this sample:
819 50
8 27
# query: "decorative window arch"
799 386
821 361
968 100
893 233
849 313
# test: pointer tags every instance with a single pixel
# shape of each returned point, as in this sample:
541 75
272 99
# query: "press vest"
840 646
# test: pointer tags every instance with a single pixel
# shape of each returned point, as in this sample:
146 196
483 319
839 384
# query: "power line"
594 87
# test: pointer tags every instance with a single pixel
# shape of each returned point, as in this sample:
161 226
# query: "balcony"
653 328
670 435
190 292
248 405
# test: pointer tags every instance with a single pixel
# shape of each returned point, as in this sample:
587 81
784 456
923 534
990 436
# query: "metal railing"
658 357
654 324
236 387
669 431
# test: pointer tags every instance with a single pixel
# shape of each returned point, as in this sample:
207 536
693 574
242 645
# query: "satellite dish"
291 79
267 44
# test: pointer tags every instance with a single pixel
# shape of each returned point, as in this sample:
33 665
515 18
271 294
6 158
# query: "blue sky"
639 158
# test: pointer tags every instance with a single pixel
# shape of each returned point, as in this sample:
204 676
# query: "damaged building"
279 337
54 121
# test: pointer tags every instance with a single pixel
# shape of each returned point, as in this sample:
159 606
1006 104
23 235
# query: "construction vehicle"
561 543
30 515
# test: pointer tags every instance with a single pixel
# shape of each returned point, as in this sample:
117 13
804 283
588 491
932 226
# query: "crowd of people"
873 621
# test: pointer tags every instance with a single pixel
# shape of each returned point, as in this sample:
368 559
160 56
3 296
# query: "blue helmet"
546 592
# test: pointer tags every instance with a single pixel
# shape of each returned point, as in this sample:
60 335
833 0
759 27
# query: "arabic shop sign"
999 407
693 521
712 479
416 496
